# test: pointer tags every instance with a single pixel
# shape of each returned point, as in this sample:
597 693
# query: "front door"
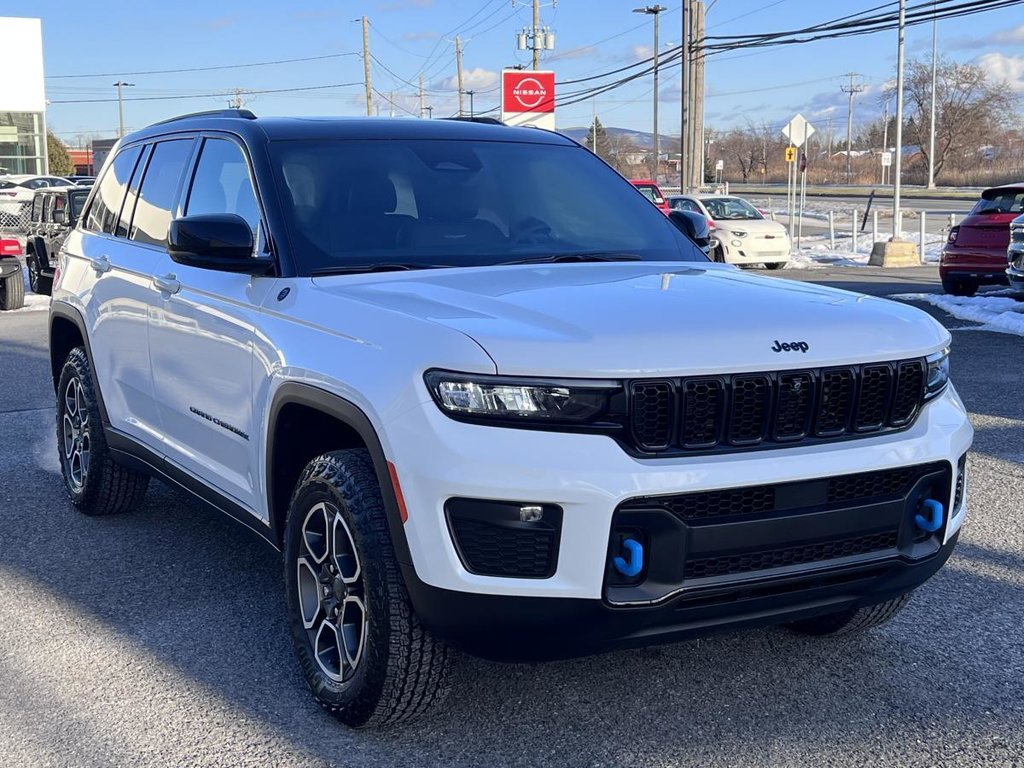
202 340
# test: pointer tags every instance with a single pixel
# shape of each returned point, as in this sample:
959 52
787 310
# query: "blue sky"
412 37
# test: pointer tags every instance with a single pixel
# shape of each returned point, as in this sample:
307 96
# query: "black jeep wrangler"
54 213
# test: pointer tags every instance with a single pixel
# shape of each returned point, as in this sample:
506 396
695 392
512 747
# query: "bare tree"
971 108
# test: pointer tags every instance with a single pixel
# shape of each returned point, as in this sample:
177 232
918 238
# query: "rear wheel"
36 282
95 484
365 655
959 287
12 291
853 620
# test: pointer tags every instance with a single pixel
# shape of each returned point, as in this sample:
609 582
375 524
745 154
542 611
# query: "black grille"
719 413
652 414
909 392
755 500
874 397
491 550
703 406
775 558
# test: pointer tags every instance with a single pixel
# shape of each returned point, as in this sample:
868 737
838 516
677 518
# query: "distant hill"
642 139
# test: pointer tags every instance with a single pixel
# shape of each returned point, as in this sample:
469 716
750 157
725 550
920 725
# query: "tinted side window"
221 183
132 195
47 209
107 202
159 187
37 207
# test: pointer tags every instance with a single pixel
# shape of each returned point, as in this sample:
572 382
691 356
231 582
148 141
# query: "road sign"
886 159
798 130
719 165
790 154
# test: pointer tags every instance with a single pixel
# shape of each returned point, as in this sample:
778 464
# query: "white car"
19 188
744 235
481 394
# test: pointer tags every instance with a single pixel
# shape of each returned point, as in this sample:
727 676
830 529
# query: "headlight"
550 401
739 233
938 373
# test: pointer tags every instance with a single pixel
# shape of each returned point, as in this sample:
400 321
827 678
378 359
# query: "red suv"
652 192
975 253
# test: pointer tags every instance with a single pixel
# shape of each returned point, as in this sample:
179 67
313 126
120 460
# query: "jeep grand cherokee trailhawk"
482 395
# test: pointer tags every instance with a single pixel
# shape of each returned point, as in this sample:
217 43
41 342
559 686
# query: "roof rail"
485 120
245 114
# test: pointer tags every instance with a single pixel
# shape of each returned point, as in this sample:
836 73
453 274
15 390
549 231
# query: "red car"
975 253
652 192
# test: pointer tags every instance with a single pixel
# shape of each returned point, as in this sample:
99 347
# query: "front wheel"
364 654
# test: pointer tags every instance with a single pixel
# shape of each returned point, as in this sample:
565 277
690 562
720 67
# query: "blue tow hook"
635 563
932 523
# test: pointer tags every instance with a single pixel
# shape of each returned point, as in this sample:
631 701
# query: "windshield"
730 208
1000 201
650 192
427 203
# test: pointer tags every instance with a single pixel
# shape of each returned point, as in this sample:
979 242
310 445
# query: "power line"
203 69
220 94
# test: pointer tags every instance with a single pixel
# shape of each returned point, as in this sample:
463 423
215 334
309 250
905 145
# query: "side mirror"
219 241
694 226
60 217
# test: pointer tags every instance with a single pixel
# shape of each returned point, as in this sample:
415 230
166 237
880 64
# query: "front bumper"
1015 271
589 476
753 250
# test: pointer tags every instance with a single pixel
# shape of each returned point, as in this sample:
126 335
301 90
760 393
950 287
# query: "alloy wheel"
75 442
331 592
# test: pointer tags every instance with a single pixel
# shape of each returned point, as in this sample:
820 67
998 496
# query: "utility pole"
684 98
391 103
935 64
458 69
366 67
536 32
654 10
535 37
898 162
120 105
698 92
853 89
885 137
421 98
472 114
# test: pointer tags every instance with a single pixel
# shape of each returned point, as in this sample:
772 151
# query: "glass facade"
22 143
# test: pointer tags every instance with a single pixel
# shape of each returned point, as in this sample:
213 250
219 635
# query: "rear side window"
37 207
221 183
48 209
107 202
159 188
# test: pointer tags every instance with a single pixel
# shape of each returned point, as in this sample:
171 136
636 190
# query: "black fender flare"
352 416
63 311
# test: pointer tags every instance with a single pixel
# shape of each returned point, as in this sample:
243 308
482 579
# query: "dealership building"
22 98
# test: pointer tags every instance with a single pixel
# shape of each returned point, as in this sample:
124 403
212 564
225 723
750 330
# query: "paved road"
157 638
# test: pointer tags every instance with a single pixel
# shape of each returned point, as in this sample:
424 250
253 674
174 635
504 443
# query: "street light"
655 11
120 105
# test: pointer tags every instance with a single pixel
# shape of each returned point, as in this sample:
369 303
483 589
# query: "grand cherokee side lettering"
218 422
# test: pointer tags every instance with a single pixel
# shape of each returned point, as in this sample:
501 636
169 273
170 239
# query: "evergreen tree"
604 145
60 160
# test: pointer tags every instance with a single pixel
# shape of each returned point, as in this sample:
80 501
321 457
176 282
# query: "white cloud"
1006 69
472 80
1015 35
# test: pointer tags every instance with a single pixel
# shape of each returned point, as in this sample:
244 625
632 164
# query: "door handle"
99 265
167 284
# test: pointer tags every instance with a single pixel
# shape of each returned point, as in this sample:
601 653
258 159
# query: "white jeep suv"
482 395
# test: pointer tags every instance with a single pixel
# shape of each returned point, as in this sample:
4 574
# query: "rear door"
113 275
202 338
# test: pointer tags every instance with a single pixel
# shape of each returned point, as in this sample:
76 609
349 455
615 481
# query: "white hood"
650 319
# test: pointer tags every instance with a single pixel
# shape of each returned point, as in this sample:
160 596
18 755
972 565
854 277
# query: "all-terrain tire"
402 669
100 486
36 282
851 621
12 292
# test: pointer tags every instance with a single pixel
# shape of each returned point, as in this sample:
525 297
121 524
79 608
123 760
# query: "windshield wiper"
565 258
353 269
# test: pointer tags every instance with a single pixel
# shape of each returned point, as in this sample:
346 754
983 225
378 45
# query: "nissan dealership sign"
528 98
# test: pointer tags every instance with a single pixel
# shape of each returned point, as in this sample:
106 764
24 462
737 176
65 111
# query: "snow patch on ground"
815 252
995 313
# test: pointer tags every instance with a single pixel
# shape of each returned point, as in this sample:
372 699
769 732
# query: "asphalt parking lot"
158 638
